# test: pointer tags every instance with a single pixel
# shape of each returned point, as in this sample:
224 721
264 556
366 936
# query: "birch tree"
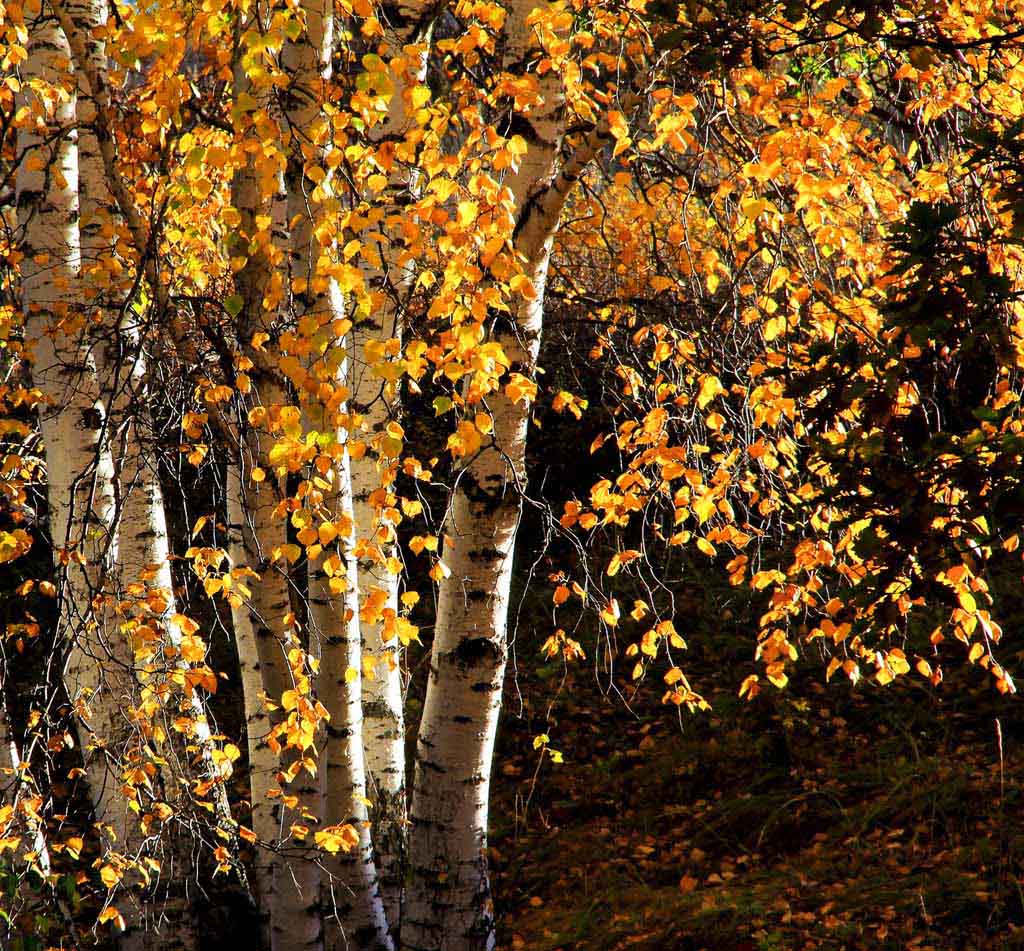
80 484
376 400
349 893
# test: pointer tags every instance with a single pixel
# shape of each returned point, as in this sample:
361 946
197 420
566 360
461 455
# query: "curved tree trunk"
449 903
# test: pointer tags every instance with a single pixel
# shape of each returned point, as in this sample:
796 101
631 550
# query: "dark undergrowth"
819 817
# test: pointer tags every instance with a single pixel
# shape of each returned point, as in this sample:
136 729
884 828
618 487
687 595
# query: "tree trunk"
449 902
353 911
257 519
259 627
373 472
98 668
141 569
354 914
17 792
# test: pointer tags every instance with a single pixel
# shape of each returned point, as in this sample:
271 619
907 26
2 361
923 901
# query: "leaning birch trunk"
449 903
372 473
97 670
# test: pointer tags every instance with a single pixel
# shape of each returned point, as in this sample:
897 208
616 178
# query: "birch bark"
256 522
407 34
449 903
353 913
141 568
98 673
17 792
259 628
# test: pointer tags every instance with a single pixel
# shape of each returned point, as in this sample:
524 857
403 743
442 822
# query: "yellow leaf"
710 387
419 96
465 441
291 553
752 207
110 913
519 388
110 876
333 839
704 508
467 212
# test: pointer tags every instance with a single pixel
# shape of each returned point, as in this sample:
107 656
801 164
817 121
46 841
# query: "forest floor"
820 817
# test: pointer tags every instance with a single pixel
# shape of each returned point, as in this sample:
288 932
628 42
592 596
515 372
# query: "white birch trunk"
449 903
353 914
146 590
257 530
305 60
142 567
17 792
410 23
98 673
259 626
